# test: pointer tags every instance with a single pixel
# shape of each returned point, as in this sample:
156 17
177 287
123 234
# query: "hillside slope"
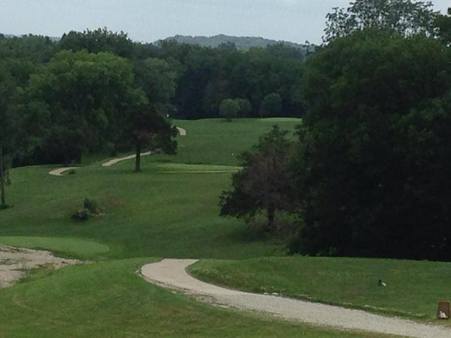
241 42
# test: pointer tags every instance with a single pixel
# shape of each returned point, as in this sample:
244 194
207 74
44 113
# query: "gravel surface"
181 131
110 163
14 263
171 273
61 171
115 161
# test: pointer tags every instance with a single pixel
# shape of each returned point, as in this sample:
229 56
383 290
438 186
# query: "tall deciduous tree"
271 105
374 155
158 79
98 40
263 185
8 126
229 109
405 17
143 126
79 96
443 24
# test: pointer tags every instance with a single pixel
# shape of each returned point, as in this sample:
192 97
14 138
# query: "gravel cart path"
112 162
171 273
115 161
181 131
60 171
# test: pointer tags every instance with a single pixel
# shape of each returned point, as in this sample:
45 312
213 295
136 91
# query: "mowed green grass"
168 210
80 248
413 287
108 299
215 141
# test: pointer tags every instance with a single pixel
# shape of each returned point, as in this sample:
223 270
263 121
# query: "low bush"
81 215
92 206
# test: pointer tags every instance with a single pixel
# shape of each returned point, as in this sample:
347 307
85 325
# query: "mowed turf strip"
109 299
169 210
413 287
74 247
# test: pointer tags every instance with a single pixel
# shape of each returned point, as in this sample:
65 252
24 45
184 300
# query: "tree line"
205 77
98 91
369 171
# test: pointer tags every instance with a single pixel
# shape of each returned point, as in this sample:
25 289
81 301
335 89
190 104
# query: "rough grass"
215 141
79 248
109 299
413 288
169 210
148 214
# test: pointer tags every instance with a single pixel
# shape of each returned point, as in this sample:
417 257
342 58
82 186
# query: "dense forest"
370 172
77 87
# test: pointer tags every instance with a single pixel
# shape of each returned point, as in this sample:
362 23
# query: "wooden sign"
443 311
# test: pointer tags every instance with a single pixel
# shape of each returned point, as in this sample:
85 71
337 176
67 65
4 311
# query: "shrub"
81 215
91 206
229 109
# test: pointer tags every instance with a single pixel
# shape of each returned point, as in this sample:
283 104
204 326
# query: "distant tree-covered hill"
241 42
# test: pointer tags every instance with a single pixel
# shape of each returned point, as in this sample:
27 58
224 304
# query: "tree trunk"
138 157
271 215
7 177
2 178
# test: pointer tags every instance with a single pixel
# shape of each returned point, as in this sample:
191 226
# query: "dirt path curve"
60 171
181 131
114 161
15 262
110 163
171 273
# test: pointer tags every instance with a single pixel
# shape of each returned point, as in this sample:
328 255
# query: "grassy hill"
169 210
413 288
108 299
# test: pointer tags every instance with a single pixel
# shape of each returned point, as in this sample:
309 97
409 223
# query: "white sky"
150 20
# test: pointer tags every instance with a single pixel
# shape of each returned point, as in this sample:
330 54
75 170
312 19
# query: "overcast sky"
150 20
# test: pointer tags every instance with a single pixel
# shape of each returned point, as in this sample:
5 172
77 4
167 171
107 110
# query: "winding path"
61 171
110 163
115 161
171 273
181 131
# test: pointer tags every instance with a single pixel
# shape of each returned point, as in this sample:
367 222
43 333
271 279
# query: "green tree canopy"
405 17
229 109
374 154
98 40
78 99
8 125
145 127
264 184
158 79
271 105
443 24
